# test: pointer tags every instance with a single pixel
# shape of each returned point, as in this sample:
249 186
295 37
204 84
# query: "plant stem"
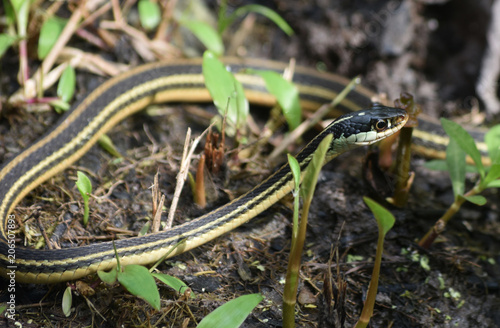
292 274
440 224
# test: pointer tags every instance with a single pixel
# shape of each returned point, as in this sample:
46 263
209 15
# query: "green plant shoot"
462 143
306 191
85 187
385 221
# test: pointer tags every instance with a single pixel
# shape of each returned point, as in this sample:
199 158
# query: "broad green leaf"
206 34
149 14
108 277
5 42
455 160
259 9
295 168
225 90
84 185
312 171
287 95
385 219
51 29
476 199
493 174
233 313
139 282
173 282
494 184
492 139
465 141
66 86
67 301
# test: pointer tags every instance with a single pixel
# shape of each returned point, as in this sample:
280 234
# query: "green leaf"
67 301
206 34
440 165
50 32
5 42
436 165
259 9
385 219
108 277
149 14
107 144
492 139
493 184
66 86
173 282
225 90
59 105
84 185
493 174
10 15
313 168
233 313
455 159
287 95
465 141
295 168
139 282
21 8
476 199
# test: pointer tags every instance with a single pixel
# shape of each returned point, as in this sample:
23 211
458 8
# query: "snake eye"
381 125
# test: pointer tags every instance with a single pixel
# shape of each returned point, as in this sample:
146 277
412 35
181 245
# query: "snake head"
369 126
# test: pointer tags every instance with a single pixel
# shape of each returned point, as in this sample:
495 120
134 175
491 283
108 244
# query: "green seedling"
85 187
140 282
460 145
306 191
385 221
